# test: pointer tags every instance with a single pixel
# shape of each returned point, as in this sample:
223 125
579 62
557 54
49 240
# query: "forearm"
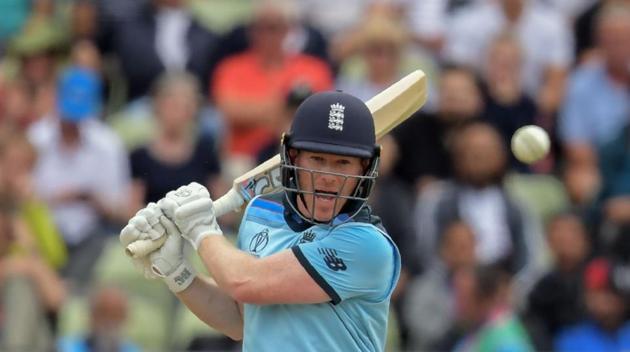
253 113
214 307
49 285
232 269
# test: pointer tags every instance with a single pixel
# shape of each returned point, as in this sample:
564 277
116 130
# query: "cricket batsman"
314 269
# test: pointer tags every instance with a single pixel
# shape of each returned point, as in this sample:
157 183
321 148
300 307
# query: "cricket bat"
389 108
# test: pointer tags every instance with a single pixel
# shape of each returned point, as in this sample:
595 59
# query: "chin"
323 216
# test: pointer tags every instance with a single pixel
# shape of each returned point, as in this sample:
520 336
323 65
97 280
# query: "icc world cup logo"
259 241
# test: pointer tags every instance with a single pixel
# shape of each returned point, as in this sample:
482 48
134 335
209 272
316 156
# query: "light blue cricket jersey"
355 262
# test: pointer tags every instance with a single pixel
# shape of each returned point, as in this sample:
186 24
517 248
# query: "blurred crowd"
106 105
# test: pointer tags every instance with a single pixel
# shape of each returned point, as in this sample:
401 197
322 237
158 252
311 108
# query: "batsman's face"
326 177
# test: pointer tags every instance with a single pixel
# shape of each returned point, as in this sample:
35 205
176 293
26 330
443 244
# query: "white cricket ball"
530 144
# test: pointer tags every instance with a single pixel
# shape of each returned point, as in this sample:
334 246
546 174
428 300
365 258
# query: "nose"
327 179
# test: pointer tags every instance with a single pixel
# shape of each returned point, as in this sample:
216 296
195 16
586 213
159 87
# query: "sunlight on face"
324 208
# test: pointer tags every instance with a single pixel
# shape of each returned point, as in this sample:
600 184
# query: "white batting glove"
191 208
169 262
144 225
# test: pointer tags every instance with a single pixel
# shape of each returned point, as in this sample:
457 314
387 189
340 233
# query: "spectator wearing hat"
36 49
380 56
607 327
82 171
33 56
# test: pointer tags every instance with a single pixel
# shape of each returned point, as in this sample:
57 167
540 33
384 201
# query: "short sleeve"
574 122
352 261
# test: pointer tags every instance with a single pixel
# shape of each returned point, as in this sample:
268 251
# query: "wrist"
182 277
199 233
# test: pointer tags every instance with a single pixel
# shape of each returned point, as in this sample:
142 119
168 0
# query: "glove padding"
145 225
169 262
192 210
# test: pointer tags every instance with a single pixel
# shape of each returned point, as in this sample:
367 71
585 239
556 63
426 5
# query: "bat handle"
142 248
230 201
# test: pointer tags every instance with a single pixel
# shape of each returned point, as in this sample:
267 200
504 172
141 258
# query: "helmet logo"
335 117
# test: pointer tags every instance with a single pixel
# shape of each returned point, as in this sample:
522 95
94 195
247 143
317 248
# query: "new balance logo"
308 236
335 117
332 261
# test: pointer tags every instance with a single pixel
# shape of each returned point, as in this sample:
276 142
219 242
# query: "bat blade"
398 102
389 108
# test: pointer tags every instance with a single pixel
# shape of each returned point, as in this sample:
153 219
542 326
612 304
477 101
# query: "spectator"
249 87
19 155
37 48
31 291
162 37
36 52
424 139
83 21
597 105
584 33
428 20
504 230
82 170
16 107
483 303
611 211
294 98
84 54
176 154
382 45
330 19
507 107
431 294
543 34
606 328
302 37
108 314
556 301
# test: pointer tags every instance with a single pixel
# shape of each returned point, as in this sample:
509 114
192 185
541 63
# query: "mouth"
325 196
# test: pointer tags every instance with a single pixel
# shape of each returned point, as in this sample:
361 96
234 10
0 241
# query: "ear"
365 164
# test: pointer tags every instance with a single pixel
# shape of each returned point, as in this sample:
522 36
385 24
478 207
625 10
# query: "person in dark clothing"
163 36
557 298
507 107
176 155
423 140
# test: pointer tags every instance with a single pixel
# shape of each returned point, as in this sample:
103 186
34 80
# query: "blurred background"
106 105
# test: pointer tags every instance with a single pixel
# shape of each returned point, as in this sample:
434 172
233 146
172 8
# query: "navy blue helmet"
337 123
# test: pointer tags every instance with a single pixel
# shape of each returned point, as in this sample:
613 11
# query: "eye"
343 162
317 159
